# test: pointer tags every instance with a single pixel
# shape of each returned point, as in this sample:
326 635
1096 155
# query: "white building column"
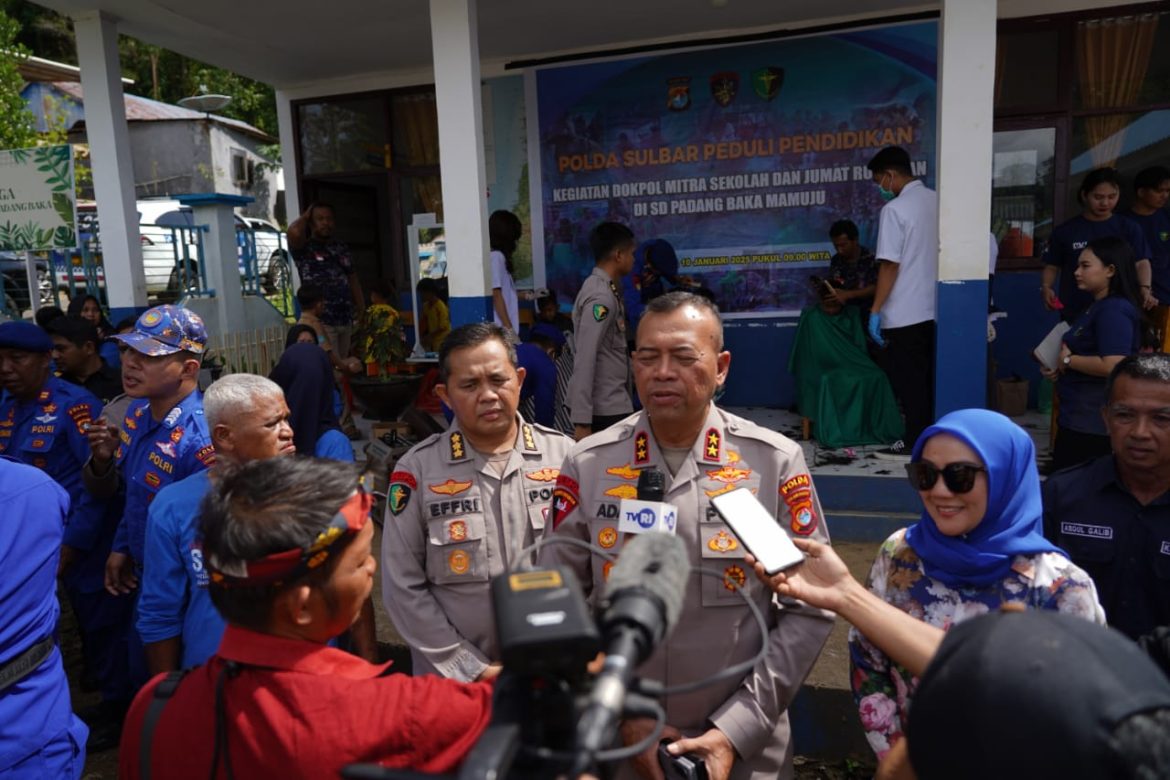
113 168
965 122
455 47
288 155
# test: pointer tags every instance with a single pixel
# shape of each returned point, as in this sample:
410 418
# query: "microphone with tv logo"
648 513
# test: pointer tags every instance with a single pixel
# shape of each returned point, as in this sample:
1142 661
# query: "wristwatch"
1068 360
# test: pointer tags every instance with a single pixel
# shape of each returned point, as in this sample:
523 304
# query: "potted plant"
383 341
388 386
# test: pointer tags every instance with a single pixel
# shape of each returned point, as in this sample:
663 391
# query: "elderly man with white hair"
248 420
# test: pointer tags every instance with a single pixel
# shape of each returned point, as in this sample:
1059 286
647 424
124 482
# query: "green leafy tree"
17 124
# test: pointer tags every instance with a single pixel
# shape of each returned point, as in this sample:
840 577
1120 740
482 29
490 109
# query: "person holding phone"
977 546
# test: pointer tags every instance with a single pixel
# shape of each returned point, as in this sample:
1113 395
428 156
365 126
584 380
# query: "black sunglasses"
958 477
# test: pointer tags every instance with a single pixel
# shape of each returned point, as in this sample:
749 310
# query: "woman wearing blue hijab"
977 546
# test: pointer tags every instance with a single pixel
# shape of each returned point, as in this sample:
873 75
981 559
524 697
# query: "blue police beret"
26 336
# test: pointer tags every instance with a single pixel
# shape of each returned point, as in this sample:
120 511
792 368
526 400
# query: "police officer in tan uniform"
739 726
599 394
462 504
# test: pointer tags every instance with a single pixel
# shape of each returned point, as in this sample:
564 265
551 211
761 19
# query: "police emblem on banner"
724 86
767 82
678 93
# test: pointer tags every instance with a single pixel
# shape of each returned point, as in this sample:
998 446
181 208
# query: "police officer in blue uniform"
162 439
39 734
43 423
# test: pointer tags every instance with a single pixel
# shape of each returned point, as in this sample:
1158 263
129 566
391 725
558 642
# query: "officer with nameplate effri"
462 504
599 394
738 726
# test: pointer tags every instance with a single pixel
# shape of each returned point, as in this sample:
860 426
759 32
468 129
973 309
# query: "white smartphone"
760 533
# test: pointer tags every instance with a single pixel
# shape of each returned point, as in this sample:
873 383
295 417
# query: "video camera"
550 716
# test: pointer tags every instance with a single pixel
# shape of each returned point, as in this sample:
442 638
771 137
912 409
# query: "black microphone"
643 601
651 485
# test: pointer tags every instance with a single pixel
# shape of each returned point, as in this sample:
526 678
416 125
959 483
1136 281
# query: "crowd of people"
217 550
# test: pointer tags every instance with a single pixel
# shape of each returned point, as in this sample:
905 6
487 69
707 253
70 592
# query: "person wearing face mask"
977 546
903 310
1098 196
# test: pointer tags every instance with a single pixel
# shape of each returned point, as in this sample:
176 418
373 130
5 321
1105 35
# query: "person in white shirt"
903 311
504 231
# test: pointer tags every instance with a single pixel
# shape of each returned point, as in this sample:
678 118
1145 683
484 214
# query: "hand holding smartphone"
763 537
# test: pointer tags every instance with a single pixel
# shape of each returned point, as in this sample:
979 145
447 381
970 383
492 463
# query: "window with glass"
346 135
1022 190
1074 92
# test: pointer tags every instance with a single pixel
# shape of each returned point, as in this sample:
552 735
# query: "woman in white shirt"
504 231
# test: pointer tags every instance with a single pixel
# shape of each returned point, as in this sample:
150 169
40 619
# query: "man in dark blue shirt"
1112 514
538 357
1151 188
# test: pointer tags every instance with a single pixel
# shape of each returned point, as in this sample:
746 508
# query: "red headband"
279 567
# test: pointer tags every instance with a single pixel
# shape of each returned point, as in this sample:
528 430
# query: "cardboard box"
1011 396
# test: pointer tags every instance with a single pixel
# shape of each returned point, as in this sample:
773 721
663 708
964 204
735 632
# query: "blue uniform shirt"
1065 245
1123 545
1156 228
174 600
1111 326
36 712
540 382
333 444
48 432
151 456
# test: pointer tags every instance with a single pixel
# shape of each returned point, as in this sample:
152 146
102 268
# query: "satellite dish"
205 103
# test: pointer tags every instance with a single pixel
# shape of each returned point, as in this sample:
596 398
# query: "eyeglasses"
958 477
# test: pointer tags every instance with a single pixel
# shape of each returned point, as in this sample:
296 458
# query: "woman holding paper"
1107 331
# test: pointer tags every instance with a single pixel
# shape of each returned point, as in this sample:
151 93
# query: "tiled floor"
864 463
860 461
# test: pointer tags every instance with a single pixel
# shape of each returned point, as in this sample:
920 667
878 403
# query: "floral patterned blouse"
881 688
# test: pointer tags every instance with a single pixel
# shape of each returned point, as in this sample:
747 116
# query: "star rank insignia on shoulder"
641 448
458 451
712 445
529 438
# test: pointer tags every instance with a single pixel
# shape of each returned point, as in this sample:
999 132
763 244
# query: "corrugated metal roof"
141 109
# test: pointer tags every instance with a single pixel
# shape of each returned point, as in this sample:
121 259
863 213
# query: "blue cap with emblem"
165 330
25 336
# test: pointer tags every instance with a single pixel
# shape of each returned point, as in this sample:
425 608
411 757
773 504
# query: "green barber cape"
847 397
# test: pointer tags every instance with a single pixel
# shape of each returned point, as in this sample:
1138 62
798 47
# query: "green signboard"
37 206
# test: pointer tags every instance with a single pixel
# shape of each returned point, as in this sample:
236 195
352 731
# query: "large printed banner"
739 156
37 209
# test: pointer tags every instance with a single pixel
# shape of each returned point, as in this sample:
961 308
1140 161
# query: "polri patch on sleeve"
565 498
600 312
797 495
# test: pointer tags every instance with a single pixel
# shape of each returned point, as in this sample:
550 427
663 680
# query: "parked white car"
170 248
